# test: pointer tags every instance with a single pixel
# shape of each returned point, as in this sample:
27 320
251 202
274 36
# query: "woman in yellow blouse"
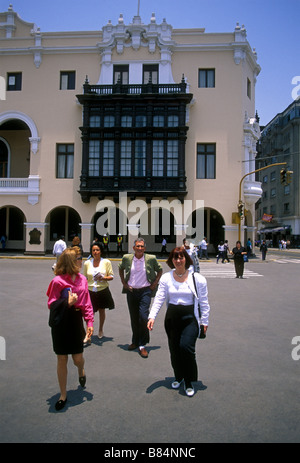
99 272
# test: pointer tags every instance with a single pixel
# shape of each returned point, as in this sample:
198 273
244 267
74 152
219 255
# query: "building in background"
278 211
130 120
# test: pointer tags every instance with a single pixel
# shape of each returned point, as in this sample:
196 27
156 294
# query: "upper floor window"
172 158
140 121
108 158
95 121
109 121
65 160
150 73
121 74
249 88
126 121
158 121
14 81
206 160
67 80
206 78
173 121
125 158
140 158
94 158
158 158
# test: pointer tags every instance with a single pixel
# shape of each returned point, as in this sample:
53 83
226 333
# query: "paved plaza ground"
248 388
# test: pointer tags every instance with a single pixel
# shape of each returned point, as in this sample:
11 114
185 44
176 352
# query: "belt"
141 289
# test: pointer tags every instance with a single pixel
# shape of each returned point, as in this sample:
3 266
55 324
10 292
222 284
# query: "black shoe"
82 381
60 404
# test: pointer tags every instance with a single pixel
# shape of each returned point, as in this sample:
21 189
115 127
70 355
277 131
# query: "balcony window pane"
108 158
125 163
158 158
94 158
172 158
140 158
158 121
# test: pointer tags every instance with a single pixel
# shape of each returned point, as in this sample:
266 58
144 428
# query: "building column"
86 240
180 232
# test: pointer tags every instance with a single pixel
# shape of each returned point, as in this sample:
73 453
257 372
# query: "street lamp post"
240 203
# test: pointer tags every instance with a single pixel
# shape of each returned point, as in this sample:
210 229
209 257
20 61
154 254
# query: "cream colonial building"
136 117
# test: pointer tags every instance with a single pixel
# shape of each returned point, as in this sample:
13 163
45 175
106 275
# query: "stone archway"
212 228
17 115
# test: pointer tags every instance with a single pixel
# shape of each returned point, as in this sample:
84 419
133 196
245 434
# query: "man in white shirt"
140 274
203 248
59 247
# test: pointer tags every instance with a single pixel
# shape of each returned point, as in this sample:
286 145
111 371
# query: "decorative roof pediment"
136 35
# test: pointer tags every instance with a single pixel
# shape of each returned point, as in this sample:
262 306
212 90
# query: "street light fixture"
240 190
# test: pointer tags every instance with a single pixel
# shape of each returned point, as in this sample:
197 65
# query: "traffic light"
289 175
283 176
241 210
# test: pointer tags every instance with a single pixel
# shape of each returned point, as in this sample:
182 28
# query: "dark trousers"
239 267
182 330
139 301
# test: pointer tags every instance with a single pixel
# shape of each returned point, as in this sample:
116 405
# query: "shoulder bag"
201 335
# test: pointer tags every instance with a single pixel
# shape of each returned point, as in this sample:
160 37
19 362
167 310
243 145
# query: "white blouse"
180 293
170 291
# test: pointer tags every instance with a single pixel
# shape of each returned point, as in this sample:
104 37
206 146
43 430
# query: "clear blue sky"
272 29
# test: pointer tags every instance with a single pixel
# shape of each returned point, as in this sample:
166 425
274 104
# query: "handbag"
201 334
58 308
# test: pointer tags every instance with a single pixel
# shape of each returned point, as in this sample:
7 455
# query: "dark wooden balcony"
153 187
135 89
134 100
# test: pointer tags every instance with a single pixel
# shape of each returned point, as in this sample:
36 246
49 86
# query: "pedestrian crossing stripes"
287 261
224 271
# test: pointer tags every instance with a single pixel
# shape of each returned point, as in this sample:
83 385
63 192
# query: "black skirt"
102 299
67 337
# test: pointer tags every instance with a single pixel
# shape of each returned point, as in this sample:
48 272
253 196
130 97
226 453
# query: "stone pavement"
248 388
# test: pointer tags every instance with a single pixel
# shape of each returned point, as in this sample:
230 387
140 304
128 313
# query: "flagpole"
138 12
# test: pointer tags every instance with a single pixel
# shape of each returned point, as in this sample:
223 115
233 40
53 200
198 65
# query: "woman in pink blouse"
68 295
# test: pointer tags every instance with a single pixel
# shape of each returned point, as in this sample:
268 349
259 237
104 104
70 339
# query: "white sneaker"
190 391
176 384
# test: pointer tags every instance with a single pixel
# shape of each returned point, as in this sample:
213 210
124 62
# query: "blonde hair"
67 263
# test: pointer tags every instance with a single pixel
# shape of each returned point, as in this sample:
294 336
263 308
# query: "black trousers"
139 301
239 267
182 330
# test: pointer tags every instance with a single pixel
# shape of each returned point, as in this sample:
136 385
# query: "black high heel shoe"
60 404
82 380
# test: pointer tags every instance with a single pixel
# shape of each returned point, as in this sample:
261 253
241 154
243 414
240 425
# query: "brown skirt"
102 299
